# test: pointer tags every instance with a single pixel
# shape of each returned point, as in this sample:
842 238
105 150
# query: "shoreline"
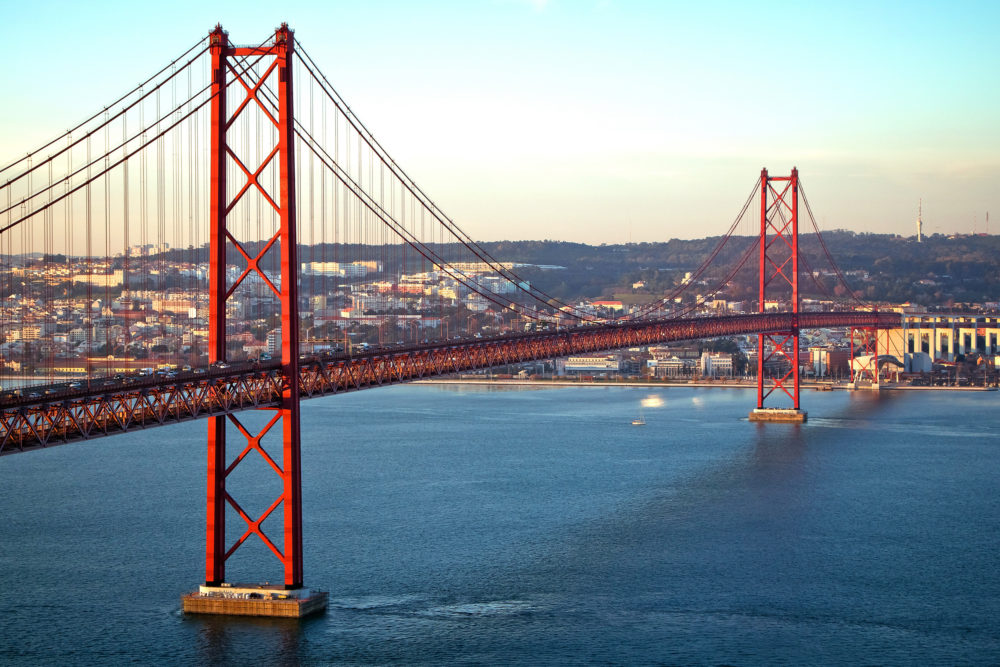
668 385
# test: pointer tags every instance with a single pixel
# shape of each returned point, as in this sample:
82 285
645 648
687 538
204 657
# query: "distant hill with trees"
940 271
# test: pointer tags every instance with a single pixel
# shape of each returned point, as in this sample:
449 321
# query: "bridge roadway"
109 406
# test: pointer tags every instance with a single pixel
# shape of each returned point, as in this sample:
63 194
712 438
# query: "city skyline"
600 121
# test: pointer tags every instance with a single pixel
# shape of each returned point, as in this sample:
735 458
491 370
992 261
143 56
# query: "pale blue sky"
594 120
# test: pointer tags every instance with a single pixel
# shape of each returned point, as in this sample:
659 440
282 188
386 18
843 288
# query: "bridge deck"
121 406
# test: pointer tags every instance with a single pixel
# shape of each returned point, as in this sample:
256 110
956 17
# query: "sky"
598 121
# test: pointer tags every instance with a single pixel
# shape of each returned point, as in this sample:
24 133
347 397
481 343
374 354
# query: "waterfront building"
828 361
672 366
716 364
604 363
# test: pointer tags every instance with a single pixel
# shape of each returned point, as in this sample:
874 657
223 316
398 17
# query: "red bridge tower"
230 70
779 271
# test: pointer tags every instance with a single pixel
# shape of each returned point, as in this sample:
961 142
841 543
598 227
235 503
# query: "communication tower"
920 221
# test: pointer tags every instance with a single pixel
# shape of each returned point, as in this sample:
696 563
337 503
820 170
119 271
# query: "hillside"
940 271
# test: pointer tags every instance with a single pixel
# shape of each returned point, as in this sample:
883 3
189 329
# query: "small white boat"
639 421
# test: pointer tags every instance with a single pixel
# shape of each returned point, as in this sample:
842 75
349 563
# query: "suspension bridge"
234 196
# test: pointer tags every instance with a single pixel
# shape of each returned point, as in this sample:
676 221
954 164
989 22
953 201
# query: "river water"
471 525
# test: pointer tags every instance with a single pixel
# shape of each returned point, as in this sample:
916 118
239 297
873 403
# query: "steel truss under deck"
86 414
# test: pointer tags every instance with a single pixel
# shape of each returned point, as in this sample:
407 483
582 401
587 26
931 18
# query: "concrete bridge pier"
782 415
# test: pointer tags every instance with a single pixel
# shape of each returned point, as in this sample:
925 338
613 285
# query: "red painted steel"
215 504
219 46
283 242
762 261
289 410
779 248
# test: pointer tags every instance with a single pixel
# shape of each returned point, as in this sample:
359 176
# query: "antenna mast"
920 221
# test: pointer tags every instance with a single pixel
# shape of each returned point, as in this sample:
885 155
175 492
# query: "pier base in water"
789 415
874 386
254 600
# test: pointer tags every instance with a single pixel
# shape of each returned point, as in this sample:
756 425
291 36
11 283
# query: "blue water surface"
465 524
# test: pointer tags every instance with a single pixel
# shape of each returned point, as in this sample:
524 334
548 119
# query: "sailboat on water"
652 401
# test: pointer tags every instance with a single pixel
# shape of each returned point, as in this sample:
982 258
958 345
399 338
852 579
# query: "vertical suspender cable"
89 270
126 283
106 321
